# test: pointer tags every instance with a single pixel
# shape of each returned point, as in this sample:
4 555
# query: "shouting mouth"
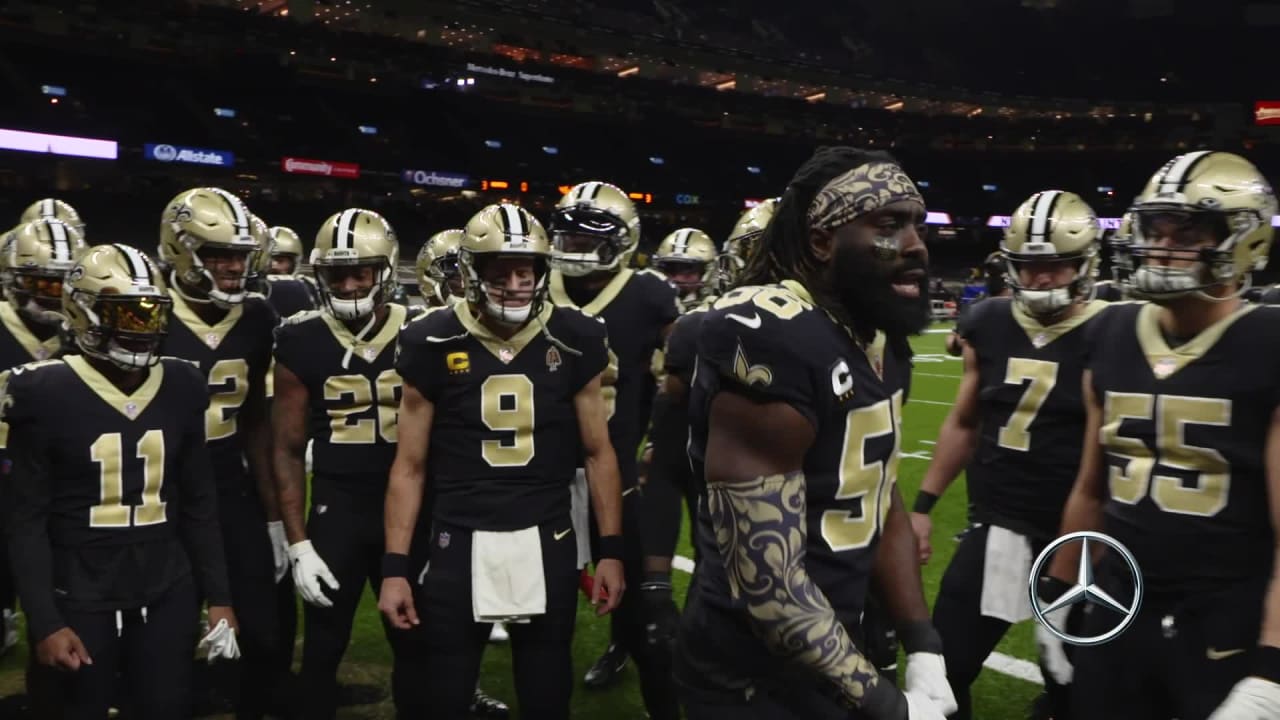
907 284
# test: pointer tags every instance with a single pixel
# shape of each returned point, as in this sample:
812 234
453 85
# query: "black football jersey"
102 483
504 442
234 354
682 344
289 295
773 343
353 391
1184 435
1269 295
636 306
19 346
1032 414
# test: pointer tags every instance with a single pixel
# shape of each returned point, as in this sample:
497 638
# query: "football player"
1016 424
670 476
208 240
993 269
1113 290
335 384
795 415
595 230
288 292
493 386
286 251
112 520
1180 461
37 256
687 257
439 280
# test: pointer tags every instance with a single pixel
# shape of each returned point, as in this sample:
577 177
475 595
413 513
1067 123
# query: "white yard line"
1001 663
929 402
939 375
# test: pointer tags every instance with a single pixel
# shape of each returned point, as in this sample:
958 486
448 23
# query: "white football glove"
1053 655
927 676
922 707
279 548
220 643
308 571
1251 699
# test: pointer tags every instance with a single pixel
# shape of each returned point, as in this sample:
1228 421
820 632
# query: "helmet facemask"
587 240
446 278
359 303
202 279
125 330
1201 256
1047 302
37 294
494 300
690 290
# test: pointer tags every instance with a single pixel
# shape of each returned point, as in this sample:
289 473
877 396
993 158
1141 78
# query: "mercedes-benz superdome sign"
163 152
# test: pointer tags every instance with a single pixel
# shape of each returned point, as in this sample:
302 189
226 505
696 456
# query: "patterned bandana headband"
859 191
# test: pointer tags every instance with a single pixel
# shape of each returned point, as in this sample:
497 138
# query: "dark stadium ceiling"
530 32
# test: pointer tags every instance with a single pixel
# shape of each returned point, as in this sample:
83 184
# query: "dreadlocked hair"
783 252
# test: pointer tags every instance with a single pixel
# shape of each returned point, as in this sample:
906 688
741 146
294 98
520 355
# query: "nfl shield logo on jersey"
553 359
444 540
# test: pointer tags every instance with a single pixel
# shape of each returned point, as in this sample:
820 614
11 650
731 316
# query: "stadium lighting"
656 160
628 72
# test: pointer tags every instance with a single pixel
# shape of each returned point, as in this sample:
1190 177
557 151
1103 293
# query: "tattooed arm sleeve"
760 531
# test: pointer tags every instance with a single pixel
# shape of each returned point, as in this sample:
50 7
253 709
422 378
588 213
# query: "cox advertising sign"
162 152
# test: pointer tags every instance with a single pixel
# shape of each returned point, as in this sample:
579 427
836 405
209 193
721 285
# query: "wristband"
656 581
611 547
920 636
395 565
1266 663
925 501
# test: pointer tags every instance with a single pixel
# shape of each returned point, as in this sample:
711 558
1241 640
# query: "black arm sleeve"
28 494
662 497
198 524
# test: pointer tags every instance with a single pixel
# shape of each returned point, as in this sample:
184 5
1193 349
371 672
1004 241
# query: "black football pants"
251 573
1178 659
541 650
142 662
627 622
346 529
968 636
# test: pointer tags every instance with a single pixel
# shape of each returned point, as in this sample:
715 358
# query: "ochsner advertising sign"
435 178
327 168
180 153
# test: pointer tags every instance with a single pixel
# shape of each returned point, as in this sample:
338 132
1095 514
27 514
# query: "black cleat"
607 668
483 706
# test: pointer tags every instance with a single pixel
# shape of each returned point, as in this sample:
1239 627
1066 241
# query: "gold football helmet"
286 246
261 260
37 256
1121 243
202 223
439 279
741 243
347 243
1203 195
687 257
56 209
1052 226
117 307
498 231
594 227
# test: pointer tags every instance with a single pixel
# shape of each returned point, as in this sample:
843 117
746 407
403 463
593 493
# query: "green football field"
997 695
